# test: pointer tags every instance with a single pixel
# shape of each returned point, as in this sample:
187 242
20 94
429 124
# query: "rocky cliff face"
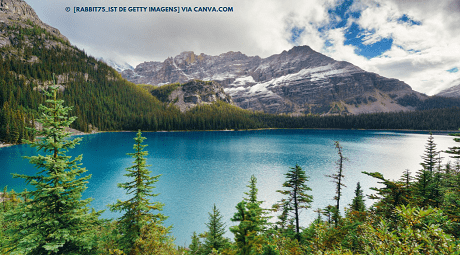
18 12
192 93
21 30
298 81
453 91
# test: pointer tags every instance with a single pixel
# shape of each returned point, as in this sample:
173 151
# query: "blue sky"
414 41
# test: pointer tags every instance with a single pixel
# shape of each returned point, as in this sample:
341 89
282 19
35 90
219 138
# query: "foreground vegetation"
413 215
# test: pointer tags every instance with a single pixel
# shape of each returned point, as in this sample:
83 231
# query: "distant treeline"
434 119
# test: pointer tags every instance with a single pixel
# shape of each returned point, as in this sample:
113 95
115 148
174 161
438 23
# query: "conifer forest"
412 215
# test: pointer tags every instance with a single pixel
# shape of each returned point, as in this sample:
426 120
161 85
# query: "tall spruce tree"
337 179
138 210
426 185
254 204
297 198
53 219
430 156
216 229
252 220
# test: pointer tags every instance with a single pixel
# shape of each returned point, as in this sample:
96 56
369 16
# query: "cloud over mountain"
413 41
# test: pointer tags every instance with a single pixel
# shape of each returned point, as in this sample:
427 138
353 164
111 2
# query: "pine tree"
252 194
426 185
407 185
430 157
328 212
251 218
406 178
358 201
54 220
285 224
297 198
196 246
246 231
389 197
254 204
138 209
455 150
216 230
337 179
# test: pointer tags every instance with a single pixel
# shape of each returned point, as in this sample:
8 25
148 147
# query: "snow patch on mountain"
298 81
117 66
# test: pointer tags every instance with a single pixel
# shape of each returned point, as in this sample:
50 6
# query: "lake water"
200 169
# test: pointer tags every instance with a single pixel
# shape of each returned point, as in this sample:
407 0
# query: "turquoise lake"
200 169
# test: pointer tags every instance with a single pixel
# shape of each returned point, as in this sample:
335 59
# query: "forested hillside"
103 100
100 97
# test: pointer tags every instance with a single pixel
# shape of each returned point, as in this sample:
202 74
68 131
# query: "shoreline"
74 132
3 145
257 129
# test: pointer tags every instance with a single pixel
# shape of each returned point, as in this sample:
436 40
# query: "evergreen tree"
436 188
251 220
297 198
391 195
246 231
328 212
358 201
407 185
406 178
422 187
252 194
254 204
285 224
54 220
455 150
430 156
426 185
196 246
337 179
154 239
216 230
138 210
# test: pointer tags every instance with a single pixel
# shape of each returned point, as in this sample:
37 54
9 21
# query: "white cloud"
254 27
420 55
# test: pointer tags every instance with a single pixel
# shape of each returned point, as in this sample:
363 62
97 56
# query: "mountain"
298 81
453 91
117 66
34 56
19 12
33 53
191 94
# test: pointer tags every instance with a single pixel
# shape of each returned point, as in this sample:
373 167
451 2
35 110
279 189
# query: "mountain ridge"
298 81
15 11
453 91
